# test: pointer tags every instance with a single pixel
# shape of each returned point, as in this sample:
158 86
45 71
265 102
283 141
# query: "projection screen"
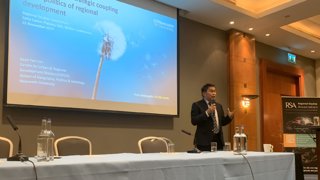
93 54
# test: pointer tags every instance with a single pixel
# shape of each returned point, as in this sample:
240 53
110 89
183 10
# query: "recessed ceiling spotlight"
312 51
268 34
231 22
250 29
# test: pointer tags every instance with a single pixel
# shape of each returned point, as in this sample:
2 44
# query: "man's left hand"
230 113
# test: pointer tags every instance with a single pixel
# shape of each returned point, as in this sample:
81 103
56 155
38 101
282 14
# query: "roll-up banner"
299 115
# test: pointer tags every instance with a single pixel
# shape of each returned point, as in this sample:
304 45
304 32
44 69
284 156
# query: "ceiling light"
312 51
250 29
258 9
231 22
267 34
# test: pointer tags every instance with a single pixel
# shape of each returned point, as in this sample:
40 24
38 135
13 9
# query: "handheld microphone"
19 156
212 102
195 149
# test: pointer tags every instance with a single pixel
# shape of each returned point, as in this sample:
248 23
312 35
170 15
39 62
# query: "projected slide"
92 54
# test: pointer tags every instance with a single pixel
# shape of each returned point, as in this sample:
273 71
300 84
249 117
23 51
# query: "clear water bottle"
50 154
42 145
237 142
243 141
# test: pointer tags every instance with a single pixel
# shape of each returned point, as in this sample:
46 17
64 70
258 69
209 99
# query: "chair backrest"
167 140
72 145
153 144
6 147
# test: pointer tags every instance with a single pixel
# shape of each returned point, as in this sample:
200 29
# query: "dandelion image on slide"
111 47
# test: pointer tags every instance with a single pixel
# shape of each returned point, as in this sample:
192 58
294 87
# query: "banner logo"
290 105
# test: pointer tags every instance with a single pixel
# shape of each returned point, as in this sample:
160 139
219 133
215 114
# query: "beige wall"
203 58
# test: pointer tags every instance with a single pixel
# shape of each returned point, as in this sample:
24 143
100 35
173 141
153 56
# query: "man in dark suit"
209 118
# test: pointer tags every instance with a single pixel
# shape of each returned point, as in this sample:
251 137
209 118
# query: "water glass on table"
227 146
170 148
214 146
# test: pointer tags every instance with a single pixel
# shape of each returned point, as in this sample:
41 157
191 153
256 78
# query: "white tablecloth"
156 166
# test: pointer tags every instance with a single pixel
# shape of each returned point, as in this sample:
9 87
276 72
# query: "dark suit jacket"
204 134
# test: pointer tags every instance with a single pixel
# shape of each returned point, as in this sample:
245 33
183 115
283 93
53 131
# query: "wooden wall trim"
242 80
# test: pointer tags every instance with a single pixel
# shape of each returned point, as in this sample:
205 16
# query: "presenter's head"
208 92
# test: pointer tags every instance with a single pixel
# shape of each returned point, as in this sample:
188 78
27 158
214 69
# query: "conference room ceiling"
293 25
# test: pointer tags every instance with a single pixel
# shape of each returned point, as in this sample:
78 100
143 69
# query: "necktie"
214 119
215 124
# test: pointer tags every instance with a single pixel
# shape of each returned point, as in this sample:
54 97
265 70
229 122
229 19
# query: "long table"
156 166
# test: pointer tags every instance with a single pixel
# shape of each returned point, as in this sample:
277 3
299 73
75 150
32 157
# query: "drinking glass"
170 148
213 146
227 146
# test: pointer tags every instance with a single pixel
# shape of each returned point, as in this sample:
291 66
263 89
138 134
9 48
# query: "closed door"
277 80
